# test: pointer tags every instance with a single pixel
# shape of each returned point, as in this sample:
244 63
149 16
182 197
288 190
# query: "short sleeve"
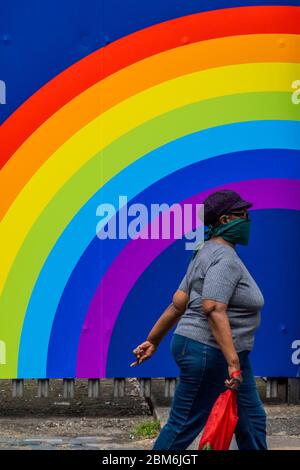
221 278
184 284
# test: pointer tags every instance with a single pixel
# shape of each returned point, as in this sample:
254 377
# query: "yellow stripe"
119 120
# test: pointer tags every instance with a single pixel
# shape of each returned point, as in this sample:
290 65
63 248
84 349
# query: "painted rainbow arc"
211 107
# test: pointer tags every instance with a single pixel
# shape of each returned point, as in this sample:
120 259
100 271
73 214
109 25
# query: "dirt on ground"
107 422
80 416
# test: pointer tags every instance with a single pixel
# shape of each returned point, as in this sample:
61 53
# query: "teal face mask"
235 231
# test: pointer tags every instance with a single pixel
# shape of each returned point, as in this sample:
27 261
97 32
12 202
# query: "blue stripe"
143 173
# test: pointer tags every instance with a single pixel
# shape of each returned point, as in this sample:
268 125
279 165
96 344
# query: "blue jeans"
203 370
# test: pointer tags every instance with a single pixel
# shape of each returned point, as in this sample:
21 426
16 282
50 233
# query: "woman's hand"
143 352
166 321
233 383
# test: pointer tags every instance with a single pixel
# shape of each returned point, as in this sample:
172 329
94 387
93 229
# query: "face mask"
235 231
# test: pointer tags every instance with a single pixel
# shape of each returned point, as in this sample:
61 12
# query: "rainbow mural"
163 102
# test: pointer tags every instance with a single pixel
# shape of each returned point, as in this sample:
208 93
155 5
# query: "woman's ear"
224 219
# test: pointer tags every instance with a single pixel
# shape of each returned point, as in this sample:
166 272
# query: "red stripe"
134 47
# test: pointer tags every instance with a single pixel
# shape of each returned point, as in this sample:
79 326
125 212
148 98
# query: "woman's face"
234 214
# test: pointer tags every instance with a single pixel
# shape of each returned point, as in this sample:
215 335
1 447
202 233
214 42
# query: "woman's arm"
165 322
220 326
220 281
169 317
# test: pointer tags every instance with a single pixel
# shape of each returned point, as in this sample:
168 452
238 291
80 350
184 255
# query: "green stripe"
81 187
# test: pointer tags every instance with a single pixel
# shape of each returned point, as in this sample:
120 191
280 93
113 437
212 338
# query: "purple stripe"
138 254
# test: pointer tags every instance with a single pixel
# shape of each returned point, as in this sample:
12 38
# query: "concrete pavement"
283 424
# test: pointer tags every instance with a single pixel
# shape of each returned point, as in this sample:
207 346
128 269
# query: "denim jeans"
203 370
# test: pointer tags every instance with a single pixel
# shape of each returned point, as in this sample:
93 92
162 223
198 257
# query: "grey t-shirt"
218 273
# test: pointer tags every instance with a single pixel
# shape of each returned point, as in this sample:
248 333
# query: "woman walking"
217 306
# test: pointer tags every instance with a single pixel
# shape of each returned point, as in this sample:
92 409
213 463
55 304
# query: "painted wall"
161 101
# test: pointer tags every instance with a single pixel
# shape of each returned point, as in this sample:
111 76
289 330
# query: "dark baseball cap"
221 202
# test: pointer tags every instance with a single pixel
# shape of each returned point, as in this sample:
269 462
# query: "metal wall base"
292 386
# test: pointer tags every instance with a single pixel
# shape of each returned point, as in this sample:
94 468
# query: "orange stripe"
130 81
137 46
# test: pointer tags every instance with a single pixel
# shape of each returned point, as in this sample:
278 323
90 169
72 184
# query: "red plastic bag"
221 423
